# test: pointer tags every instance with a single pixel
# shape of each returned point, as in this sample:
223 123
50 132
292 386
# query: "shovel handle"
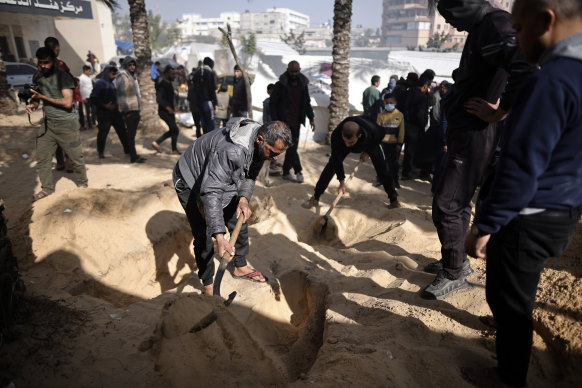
339 195
234 235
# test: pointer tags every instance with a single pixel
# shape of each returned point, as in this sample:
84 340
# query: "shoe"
443 285
101 156
394 205
139 160
288 177
377 184
406 177
176 152
300 178
60 167
397 185
437 266
311 202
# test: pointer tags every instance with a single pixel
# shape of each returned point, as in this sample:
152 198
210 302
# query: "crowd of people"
529 206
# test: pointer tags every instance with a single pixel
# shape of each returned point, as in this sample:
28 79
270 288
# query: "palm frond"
110 3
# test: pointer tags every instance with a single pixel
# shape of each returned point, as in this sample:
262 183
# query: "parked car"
19 74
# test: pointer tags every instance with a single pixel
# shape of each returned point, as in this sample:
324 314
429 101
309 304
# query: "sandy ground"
112 301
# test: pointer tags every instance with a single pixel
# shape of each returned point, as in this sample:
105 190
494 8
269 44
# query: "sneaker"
377 184
437 266
443 285
397 185
288 177
311 202
300 178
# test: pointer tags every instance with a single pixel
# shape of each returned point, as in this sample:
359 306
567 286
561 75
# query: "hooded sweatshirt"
540 166
128 96
220 166
204 85
104 90
491 66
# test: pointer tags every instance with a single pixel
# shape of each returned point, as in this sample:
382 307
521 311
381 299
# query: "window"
438 26
20 46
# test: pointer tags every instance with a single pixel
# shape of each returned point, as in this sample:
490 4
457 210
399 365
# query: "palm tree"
340 69
143 53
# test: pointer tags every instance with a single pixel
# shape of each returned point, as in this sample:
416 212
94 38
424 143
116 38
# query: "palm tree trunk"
7 104
339 103
150 122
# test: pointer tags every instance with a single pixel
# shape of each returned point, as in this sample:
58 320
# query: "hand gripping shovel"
224 262
325 218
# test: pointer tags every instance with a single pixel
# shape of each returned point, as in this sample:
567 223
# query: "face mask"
390 107
392 83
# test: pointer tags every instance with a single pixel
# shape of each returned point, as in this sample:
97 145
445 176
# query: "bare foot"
209 289
249 273
482 377
156 147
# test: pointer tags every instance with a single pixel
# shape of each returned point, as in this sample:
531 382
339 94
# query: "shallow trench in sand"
150 253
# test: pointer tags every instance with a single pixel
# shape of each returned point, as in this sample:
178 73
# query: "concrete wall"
78 36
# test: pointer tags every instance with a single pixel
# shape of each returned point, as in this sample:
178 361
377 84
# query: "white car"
19 74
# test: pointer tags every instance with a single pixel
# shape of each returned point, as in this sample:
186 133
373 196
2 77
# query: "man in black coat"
290 103
204 93
238 102
358 135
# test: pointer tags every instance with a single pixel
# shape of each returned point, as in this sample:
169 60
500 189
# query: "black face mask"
463 14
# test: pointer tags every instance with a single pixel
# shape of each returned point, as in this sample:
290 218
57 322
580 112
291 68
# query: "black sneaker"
443 285
438 266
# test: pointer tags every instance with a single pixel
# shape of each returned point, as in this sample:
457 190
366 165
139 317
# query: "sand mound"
116 271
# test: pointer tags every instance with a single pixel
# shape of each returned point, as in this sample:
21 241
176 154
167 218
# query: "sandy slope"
112 302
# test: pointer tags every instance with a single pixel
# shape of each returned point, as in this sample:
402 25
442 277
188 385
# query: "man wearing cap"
128 99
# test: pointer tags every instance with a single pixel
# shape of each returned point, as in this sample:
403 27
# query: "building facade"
407 23
79 26
195 25
273 23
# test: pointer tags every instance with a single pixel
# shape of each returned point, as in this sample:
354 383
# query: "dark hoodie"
491 67
541 164
104 90
280 101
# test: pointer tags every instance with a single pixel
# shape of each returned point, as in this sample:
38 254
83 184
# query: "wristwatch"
475 231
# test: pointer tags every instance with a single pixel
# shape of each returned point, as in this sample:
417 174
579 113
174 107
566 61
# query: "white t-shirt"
85 86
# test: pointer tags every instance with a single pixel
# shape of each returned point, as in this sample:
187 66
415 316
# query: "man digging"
214 179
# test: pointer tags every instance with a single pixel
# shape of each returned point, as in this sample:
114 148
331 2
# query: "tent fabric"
124 45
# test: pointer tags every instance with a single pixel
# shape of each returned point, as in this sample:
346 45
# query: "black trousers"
173 130
196 116
392 156
515 257
203 243
106 120
411 139
292 160
380 165
469 153
131 122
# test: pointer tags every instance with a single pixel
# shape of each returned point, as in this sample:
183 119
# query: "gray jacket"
219 166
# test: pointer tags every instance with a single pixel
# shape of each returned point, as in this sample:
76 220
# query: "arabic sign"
64 8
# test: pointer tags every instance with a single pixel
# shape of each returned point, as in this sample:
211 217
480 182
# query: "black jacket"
372 135
491 66
279 105
164 95
204 85
414 107
238 102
